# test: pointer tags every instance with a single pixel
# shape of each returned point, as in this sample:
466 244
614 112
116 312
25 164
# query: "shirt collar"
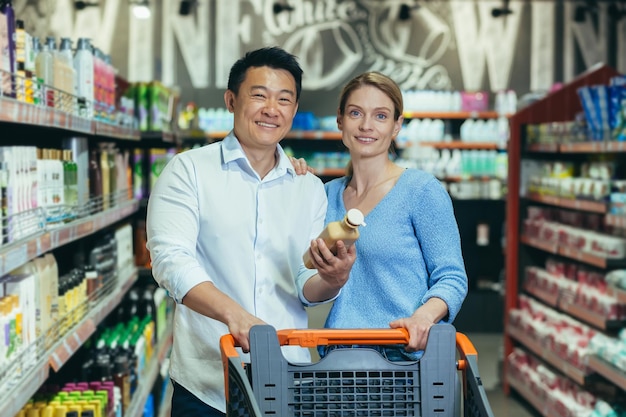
232 151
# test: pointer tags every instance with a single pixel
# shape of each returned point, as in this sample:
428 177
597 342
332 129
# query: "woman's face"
367 124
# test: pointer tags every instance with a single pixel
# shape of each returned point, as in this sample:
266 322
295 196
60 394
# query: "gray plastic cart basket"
352 382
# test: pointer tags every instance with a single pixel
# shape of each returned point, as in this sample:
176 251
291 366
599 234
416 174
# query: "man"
227 225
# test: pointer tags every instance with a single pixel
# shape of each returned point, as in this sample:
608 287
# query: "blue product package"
617 108
618 80
600 97
614 105
584 93
620 128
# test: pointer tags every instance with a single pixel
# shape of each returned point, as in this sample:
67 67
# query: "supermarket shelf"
455 144
135 409
17 254
476 178
578 147
114 131
593 147
167 137
540 244
331 172
60 353
451 115
571 253
533 399
590 317
610 372
14 111
542 147
314 134
615 220
166 405
537 401
618 293
562 365
570 203
550 299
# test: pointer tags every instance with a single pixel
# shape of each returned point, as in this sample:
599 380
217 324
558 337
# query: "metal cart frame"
353 382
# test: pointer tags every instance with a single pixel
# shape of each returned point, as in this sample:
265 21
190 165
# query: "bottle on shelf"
69 85
346 230
83 65
95 180
7 57
44 71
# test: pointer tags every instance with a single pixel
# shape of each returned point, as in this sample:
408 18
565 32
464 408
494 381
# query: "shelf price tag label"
85 228
15 257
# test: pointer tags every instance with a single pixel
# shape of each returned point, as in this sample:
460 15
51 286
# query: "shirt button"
260 221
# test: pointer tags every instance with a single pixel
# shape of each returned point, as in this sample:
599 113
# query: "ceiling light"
141 9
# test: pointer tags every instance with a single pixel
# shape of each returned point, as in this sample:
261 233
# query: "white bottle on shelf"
83 65
44 70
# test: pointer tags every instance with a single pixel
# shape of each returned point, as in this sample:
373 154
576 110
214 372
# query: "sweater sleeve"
437 231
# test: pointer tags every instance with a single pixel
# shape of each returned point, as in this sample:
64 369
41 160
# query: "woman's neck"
365 178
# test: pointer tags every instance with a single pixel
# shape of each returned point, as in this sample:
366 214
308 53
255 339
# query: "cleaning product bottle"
346 230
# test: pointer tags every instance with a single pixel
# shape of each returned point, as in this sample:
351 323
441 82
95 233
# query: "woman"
409 271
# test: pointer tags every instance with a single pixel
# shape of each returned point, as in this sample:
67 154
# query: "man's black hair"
272 57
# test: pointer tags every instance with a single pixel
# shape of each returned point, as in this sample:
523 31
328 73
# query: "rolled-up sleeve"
318 208
172 226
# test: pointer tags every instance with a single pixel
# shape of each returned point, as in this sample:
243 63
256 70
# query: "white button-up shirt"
212 218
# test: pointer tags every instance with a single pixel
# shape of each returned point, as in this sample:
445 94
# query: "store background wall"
450 45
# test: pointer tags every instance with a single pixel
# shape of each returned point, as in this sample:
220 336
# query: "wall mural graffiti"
437 44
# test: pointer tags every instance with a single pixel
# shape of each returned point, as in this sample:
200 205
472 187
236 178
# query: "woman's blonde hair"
384 84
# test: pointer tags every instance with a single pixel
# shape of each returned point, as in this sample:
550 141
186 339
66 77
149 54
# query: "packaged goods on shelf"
604 109
153 104
551 393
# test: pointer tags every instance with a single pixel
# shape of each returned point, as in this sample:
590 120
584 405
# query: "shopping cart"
353 381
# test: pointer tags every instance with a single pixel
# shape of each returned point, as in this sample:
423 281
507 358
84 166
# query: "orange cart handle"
312 338
227 345
324 337
465 348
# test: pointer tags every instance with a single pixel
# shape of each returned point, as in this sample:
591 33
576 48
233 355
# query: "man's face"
264 108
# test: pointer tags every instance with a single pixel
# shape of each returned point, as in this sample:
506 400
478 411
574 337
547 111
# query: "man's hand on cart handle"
239 328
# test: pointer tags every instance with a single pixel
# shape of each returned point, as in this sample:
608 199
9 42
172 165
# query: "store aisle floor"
489 348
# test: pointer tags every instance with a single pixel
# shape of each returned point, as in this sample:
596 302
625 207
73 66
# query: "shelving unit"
55 357
450 115
29 115
28 120
149 376
523 251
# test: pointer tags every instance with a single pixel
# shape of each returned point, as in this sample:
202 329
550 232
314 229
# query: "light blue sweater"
409 251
